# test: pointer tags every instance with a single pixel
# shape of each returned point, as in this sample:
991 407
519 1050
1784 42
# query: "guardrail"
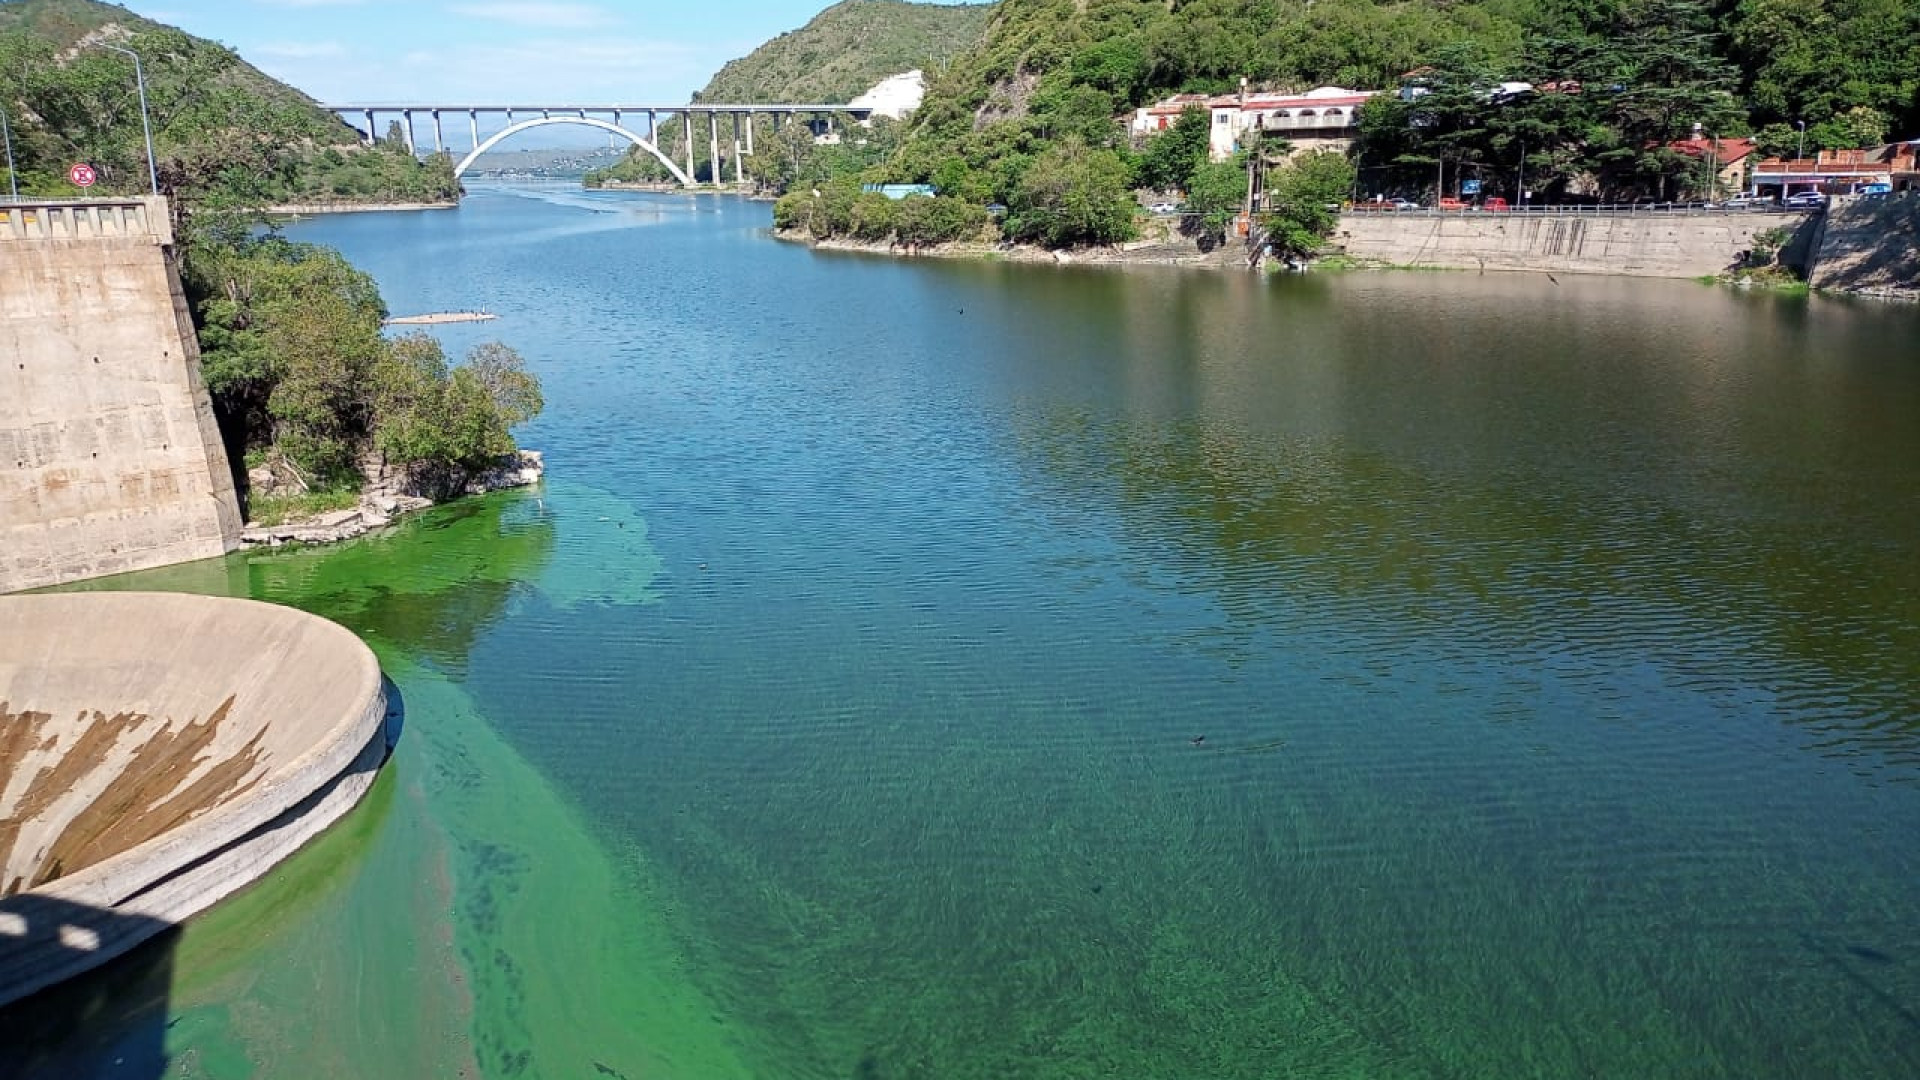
1601 210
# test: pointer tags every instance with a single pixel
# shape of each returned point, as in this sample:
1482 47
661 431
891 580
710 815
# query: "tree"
289 334
440 425
1217 193
1658 75
1304 198
1172 155
1858 127
1072 194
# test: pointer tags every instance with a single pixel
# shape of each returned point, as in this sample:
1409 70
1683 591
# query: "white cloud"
550 16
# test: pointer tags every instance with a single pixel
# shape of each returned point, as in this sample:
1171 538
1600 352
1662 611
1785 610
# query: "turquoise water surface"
955 670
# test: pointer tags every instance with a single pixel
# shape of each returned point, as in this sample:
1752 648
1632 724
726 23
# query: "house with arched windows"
1326 118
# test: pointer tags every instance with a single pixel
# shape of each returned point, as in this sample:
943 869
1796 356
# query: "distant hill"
224 132
848 48
839 55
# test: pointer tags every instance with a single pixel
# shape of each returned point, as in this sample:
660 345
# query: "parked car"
1749 202
1495 204
1405 204
1164 208
1806 200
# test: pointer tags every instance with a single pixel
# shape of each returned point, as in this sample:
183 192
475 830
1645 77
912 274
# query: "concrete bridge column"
408 115
686 127
713 146
749 133
739 161
653 127
473 126
373 133
439 140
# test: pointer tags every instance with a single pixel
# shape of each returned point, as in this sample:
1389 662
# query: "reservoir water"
920 669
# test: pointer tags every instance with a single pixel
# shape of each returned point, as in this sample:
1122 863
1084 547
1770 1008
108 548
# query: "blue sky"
488 51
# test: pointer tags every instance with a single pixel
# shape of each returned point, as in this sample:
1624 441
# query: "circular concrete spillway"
158 752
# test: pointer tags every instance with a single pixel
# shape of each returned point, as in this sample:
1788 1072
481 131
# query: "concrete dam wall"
159 752
110 459
1653 245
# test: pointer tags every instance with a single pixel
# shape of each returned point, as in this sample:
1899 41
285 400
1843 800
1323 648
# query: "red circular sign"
82 174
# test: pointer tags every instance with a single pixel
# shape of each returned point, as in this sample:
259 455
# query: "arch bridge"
609 118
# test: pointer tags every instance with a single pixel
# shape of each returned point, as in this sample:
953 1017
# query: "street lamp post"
146 127
13 177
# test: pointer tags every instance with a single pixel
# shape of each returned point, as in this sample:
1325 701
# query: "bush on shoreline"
841 209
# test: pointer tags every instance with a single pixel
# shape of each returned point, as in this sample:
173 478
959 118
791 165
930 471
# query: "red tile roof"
1725 151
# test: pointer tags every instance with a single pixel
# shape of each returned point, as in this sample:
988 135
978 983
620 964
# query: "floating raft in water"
437 317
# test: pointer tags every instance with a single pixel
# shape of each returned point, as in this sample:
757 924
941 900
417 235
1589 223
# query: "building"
1157 118
1326 118
1728 158
1838 172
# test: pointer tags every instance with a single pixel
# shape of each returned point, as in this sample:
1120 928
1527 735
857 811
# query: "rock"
380 504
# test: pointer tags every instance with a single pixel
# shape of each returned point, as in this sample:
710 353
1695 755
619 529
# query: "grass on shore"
280 509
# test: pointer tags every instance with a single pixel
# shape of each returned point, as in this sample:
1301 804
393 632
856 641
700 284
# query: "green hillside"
848 48
224 133
1032 117
837 56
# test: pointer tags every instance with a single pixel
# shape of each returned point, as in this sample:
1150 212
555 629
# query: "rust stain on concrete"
149 795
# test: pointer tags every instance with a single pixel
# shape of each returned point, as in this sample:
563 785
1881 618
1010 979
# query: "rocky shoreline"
377 509
1169 249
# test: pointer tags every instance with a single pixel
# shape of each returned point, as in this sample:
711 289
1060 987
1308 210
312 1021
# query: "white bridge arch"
589 121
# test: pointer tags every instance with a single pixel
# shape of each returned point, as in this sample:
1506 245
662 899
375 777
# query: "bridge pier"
373 133
473 125
686 129
439 140
408 114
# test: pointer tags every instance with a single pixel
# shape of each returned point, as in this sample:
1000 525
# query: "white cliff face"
894 96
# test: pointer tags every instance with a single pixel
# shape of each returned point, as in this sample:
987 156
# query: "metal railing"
1587 210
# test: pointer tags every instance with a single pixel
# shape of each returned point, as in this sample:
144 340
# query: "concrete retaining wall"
1652 245
110 459
159 752
1871 246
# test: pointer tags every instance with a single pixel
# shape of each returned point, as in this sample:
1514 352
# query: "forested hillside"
223 132
1033 117
838 55
849 47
